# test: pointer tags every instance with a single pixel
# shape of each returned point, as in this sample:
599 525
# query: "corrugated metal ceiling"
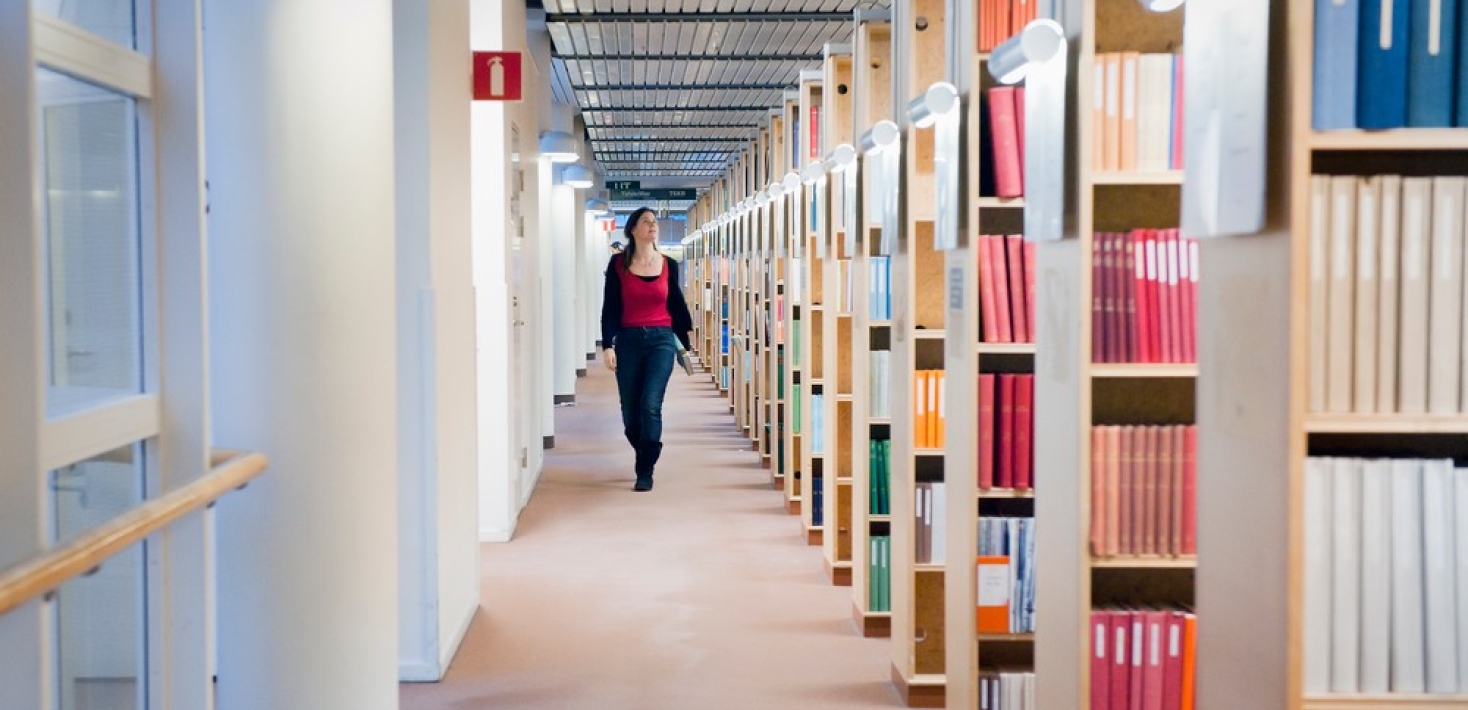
674 88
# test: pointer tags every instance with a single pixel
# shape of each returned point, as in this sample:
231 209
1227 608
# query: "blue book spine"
1380 99
1432 55
1334 85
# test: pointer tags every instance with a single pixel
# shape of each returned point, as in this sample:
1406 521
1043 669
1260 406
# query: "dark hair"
631 249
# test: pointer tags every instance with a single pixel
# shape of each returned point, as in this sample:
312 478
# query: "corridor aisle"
698 595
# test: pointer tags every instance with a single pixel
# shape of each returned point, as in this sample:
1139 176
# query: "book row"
817 497
1386 576
1137 112
1006 431
879 571
1006 690
1144 297
818 424
1143 659
1389 64
929 424
1006 289
930 519
1006 576
1387 265
1144 483
880 288
879 500
1000 19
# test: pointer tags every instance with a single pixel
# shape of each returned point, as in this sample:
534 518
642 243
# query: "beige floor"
699 595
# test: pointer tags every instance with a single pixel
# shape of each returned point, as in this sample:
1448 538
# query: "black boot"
647 457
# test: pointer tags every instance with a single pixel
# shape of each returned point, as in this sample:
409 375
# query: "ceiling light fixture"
558 147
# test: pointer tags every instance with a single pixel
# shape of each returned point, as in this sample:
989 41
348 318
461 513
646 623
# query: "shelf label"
955 288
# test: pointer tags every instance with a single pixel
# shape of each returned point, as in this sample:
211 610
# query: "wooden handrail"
48 571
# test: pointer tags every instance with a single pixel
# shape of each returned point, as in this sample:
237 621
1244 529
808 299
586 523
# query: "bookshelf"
837 113
1370 244
797 341
871 524
814 464
772 365
917 278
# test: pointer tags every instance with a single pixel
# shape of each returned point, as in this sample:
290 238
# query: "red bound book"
1147 492
1101 648
1008 178
1098 491
988 298
1019 121
1167 455
1121 663
1018 313
1125 498
1154 647
1137 245
1110 293
1137 667
1030 257
1190 341
1172 663
1005 473
1190 490
986 431
1024 425
1001 289
1098 300
1166 287
1126 265
815 132
1154 297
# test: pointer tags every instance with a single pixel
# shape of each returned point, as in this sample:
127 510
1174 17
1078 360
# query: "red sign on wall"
497 76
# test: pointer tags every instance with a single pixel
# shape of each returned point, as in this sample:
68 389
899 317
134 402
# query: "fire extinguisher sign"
497 76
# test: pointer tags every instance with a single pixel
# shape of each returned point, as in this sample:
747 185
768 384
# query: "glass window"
99 617
114 20
89 169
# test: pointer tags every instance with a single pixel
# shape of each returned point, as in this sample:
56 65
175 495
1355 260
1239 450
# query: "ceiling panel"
668 91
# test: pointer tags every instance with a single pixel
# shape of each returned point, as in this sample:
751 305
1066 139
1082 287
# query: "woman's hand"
609 356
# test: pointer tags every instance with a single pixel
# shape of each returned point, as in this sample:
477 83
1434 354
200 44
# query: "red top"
645 303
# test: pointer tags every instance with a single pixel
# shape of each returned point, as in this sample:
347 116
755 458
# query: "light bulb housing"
558 147
1039 41
882 135
577 176
941 98
1162 5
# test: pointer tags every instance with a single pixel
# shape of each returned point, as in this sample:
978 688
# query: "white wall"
437 423
303 349
20 374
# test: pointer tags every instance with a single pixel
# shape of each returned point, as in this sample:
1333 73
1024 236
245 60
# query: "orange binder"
993 594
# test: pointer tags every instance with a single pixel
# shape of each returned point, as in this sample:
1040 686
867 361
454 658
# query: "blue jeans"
645 359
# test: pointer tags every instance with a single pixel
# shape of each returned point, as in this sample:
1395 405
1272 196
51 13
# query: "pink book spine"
1008 179
1018 312
1030 256
988 310
986 431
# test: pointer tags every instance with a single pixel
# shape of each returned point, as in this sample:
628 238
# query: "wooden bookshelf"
813 317
788 236
837 113
1310 431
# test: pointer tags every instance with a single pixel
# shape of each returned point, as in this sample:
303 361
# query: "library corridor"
700 594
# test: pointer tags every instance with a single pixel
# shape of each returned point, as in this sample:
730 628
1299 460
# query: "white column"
438 417
565 213
579 345
545 231
303 344
20 367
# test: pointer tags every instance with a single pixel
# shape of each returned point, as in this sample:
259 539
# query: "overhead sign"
668 193
497 76
617 185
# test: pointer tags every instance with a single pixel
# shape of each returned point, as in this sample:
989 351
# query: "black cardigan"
611 304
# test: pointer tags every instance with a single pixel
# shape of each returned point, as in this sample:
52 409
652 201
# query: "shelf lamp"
938 108
1161 5
598 207
842 162
1037 55
881 146
1226 101
577 176
558 147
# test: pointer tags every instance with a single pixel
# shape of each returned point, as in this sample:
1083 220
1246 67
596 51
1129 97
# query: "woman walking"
644 326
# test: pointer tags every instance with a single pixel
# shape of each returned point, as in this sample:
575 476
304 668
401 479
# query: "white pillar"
579 345
20 365
303 345
566 213
438 420
546 244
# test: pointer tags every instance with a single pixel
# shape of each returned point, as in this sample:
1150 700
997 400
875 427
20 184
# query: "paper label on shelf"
1100 644
1156 645
993 585
1174 642
955 288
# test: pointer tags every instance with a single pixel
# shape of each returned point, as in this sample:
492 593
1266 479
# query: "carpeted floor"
700 595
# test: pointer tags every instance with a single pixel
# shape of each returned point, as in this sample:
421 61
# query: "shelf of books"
917 463
812 389
870 343
772 367
1378 504
1129 402
838 401
989 334
788 240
